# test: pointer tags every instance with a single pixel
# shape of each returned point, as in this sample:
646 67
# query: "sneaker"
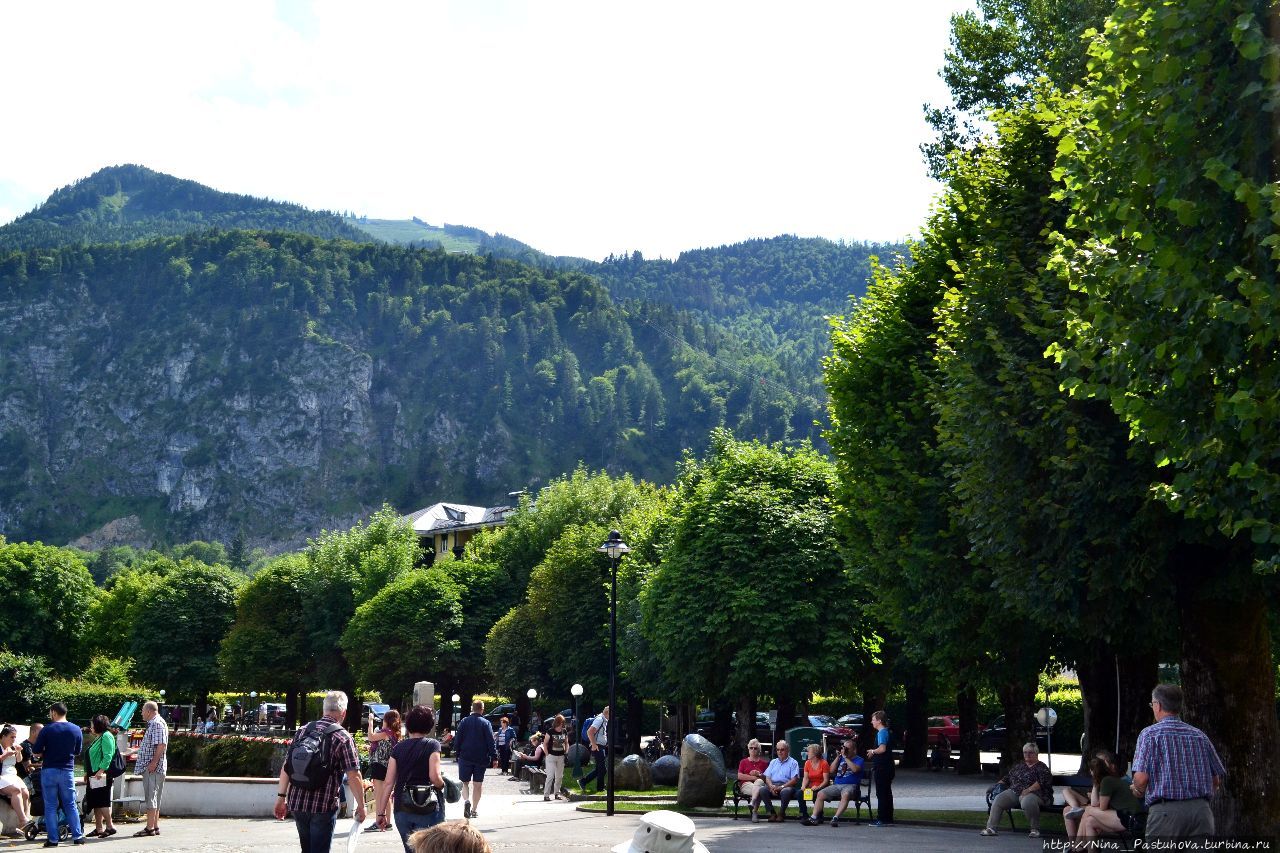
755 815
475 815
1073 814
988 832
546 798
808 822
466 809
879 823
558 797
835 821
1035 833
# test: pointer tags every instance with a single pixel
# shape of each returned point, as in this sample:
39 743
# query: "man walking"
598 740
477 751
152 765
1176 771
315 811
57 745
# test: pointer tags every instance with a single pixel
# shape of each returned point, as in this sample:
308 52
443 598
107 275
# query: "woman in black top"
414 764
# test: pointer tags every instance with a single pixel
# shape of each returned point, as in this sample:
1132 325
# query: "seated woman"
846 779
535 759
817 773
10 785
1110 795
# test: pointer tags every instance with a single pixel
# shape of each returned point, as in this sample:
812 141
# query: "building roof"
442 517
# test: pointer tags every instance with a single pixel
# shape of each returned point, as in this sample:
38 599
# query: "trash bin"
799 739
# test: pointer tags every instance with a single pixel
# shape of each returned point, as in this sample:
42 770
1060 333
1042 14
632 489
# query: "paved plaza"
515 821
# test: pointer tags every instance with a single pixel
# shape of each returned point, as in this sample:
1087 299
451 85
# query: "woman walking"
97 787
557 747
413 778
381 743
503 738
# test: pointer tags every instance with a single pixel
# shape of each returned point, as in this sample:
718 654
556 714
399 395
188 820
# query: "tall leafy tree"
50 592
114 613
182 619
1169 161
405 632
730 611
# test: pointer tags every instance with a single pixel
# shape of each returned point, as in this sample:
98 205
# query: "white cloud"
579 127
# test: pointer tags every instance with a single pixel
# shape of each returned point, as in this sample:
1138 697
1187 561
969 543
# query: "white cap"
662 832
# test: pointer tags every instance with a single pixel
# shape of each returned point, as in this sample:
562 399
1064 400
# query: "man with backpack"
597 734
321 752
476 749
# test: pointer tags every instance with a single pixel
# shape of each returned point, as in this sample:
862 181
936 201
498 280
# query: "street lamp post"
615 548
576 690
253 700
532 694
453 710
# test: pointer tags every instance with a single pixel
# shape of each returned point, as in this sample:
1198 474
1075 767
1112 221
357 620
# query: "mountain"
123 203
276 383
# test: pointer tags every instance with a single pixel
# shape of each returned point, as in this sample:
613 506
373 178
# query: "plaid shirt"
156 734
342 759
1179 759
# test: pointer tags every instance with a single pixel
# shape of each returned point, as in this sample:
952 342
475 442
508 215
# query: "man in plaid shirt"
316 812
152 764
1176 771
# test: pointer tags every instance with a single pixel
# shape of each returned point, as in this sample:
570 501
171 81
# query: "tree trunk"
786 710
1102 672
746 729
291 709
635 721
202 706
354 706
915 746
873 699
1016 697
722 727
967 708
1228 682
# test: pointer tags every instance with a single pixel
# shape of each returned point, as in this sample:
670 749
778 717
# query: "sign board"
1047 717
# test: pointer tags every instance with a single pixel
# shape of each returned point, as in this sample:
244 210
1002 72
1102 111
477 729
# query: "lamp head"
614 546
576 690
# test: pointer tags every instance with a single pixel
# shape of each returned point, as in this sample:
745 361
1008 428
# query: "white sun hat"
662 832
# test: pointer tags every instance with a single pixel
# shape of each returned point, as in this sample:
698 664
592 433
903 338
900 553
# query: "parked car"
995 734
948 725
705 724
269 714
852 721
828 724
499 711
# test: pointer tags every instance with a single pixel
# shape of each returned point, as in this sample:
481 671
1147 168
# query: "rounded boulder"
666 770
634 774
701 773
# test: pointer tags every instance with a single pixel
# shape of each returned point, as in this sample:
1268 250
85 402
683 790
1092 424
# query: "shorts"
378 772
833 792
152 788
470 771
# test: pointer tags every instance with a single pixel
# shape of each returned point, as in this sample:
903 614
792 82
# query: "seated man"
781 779
846 779
1030 788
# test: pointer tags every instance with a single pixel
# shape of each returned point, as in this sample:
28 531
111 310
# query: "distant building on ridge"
448 526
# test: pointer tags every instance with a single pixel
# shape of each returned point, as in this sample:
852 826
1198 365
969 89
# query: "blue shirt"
473 741
60 743
1179 759
847 772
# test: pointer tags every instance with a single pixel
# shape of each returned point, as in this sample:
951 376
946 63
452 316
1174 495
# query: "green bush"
238 757
85 700
108 671
23 680
185 754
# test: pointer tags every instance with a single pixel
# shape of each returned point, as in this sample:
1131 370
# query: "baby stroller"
36 826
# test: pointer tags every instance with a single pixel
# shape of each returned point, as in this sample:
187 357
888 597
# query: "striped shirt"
342 759
156 734
1180 760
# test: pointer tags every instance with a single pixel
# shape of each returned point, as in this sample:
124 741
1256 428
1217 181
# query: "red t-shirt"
747 765
816 771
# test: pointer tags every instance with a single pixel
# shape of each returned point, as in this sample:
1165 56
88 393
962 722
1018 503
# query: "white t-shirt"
601 727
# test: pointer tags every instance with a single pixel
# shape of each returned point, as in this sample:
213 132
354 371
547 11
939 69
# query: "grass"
407 231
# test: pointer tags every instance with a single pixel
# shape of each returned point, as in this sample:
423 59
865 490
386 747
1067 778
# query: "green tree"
483 594
49 594
114 613
182 619
1168 160
373 553
513 657
753 531
405 632
238 556
23 679
106 671
267 648
209 553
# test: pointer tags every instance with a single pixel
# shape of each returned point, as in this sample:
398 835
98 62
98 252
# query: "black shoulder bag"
417 799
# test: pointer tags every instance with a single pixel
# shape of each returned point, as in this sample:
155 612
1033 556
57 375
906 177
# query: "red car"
947 725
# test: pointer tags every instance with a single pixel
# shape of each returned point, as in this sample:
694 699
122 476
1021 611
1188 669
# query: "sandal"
987 831
107 833
146 833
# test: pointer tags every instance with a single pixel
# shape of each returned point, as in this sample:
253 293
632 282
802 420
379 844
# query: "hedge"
225 755
85 701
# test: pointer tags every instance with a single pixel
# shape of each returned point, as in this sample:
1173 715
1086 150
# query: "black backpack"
308 764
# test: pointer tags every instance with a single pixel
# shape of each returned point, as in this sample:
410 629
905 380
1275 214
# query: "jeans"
58 787
408 824
599 772
315 830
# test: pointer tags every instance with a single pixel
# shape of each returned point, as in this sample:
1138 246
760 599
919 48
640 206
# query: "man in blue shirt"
474 745
58 745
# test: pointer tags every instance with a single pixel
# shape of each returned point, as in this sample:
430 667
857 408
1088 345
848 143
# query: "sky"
580 128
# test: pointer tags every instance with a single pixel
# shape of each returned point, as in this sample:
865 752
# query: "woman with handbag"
97 786
413 778
381 743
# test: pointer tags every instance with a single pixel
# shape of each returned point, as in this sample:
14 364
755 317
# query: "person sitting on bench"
534 760
846 780
781 779
1030 786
